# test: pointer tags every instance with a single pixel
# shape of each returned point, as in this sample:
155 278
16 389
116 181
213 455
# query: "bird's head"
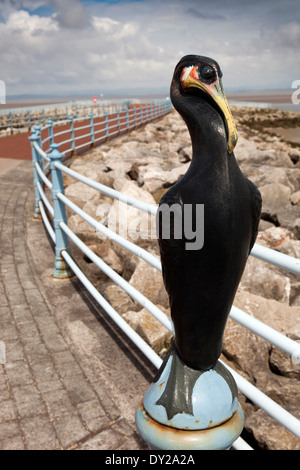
202 76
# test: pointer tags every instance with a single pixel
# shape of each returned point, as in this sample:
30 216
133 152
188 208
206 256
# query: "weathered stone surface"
274 196
295 198
108 255
260 279
156 335
118 299
129 222
149 281
80 193
268 434
277 315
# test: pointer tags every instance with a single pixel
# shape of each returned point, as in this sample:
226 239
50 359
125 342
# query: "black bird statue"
193 390
202 283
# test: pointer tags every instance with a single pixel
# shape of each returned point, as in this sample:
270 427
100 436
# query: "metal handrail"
279 259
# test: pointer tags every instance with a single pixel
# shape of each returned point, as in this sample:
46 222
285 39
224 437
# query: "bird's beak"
190 78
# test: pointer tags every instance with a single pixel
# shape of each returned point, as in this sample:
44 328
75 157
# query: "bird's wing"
172 247
256 212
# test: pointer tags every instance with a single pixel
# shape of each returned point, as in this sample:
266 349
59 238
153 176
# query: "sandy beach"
273 97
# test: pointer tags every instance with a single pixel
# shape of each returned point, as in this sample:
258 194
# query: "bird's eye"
207 73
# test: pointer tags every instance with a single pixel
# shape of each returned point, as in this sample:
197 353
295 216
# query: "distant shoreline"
282 98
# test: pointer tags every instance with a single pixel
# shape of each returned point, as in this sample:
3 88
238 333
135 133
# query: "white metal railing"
270 256
24 118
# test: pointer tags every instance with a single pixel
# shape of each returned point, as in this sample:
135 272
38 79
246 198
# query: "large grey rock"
80 193
260 279
149 281
155 334
274 197
129 222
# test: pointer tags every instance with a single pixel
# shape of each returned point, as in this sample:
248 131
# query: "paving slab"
71 378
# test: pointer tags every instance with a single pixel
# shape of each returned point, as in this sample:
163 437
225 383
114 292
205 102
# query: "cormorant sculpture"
202 283
193 390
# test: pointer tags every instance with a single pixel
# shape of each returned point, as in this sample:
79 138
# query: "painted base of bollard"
161 437
37 216
62 271
189 409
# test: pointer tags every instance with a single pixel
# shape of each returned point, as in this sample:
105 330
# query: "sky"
82 47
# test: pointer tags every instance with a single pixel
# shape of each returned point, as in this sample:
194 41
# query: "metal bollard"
72 135
92 129
106 125
50 131
187 409
34 138
61 270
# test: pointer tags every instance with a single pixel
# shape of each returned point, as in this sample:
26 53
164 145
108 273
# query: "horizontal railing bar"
47 139
77 147
276 258
258 397
103 137
46 222
78 137
276 411
135 338
45 200
138 251
119 280
67 131
43 176
240 444
40 151
81 127
64 142
262 400
144 206
266 332
101 130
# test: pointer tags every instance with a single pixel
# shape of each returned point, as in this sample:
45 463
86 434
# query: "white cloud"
21 22
132 45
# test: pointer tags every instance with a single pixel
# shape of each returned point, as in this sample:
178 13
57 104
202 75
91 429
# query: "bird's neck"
207 131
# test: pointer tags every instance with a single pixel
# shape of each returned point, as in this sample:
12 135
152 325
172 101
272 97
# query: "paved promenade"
71 380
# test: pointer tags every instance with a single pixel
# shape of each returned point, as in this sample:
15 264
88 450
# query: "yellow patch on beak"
190 78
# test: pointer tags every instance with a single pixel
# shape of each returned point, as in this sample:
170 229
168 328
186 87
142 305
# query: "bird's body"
202 283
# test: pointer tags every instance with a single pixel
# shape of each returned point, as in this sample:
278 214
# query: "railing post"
92 129
28 120
11 123
106 125
72 134
142 119
61 270
34 138
50 131
37 130
134 114
118 120
127 119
